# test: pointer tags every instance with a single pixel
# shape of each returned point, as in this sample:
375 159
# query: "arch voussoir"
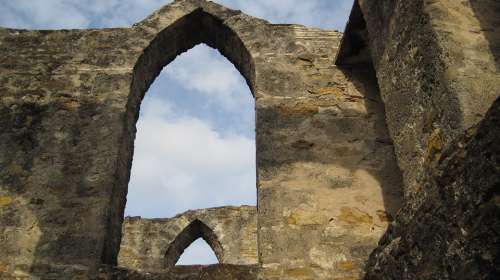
194 230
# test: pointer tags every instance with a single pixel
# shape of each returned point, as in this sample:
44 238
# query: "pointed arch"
196 27
196 229
190 30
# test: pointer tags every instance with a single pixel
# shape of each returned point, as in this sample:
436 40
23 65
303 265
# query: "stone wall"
146 242
328 183
437 67
212 272
454 232
328 180
327 192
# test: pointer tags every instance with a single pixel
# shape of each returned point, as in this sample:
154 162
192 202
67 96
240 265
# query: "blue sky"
195 145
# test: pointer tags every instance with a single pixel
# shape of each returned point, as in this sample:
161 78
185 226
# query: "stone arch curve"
203 25
161 37
196 229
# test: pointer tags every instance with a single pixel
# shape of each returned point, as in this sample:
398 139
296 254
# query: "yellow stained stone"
299 272
354 216
345 265
5 200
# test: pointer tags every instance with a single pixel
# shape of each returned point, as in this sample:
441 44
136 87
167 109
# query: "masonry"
154 244
377 149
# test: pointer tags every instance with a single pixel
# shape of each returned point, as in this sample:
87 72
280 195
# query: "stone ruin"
378 150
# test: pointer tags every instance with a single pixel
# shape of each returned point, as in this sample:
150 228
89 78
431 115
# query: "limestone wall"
328 183
212 272
146 242
328 179
453 232
328 190
437 67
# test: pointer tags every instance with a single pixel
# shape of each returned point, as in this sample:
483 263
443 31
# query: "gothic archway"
196 229
196 27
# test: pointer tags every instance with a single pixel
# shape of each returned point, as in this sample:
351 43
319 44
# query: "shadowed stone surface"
328 179
437 67
453 233
212 272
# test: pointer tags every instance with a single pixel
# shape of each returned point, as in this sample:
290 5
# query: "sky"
195 142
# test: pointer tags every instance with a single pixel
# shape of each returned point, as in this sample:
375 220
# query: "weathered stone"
146 243
437 67
328 178
212 272
69 110
452 232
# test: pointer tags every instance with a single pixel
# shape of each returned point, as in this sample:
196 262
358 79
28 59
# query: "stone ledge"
208 272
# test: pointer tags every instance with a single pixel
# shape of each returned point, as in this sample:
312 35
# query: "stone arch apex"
194 230
180 26
181 7
168 32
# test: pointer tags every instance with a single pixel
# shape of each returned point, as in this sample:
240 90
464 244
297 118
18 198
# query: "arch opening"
198 253
194 145
191 30
192 232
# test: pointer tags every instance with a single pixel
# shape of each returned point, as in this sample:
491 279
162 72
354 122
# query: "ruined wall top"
147 244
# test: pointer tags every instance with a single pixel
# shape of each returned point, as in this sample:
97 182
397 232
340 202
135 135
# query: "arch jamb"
193 28
196 229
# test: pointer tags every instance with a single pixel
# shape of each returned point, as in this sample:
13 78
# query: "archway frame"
199 23
194 230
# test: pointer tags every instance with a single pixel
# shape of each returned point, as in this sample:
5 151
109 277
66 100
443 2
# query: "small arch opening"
192 232
198 253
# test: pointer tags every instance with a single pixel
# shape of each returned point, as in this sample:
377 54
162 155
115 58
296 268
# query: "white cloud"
191 143
57 14
67 14
203 70
330 14
183 163
47 14
128 12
